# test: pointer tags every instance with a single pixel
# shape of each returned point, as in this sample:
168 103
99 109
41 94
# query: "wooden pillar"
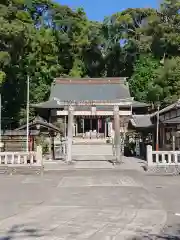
117 133
163 136
173 140
83 126
74 128
70 135
33 143
105 129
65 126
77 130
90 127
153 139
98 128
52 146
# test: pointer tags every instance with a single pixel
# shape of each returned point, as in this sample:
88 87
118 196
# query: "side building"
164 124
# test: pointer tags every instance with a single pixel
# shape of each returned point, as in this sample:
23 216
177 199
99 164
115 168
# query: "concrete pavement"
96 162
89 204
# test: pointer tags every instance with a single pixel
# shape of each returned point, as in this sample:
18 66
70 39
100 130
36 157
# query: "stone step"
163 170
23 170
91 150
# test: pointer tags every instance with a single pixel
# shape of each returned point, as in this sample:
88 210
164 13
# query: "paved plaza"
94 204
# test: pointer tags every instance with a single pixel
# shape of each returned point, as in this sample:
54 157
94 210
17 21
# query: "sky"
98 9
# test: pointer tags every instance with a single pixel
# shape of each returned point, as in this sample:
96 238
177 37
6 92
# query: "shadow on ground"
21 232
18 232
169 233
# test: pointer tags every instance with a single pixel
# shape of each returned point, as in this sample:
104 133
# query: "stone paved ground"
95 162
111 204
93 156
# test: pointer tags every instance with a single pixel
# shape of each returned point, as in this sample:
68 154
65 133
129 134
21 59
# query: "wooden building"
38 128
169 126
93 100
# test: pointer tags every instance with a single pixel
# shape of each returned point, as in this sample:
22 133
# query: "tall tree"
44 39
143 81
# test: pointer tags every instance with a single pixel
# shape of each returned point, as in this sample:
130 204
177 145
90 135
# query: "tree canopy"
42 39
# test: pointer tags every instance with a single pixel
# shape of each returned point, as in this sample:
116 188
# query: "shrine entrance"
110 149
91 127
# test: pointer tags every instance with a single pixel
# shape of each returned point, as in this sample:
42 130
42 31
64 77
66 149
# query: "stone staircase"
22 170
92 152
88 141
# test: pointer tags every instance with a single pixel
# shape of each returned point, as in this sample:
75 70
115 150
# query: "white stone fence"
162 158
22 158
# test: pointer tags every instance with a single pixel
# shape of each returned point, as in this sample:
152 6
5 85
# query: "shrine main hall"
90 120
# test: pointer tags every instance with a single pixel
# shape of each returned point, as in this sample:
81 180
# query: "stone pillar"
39 157
70 135
149 155
98 128
110 129
117 134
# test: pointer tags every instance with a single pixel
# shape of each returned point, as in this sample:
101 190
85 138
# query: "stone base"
164 170
23 170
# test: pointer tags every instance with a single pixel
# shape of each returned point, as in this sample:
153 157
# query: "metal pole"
27 117
70 135
157 130
117 133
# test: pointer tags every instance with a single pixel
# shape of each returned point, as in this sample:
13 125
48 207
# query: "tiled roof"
141 121
50 104
57 104
168 108
172 120
40 121
111 80
90 89
20 133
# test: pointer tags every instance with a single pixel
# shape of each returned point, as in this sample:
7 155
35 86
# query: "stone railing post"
70 134
39 157
149 155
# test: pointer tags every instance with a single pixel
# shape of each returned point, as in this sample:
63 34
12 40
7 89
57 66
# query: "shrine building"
93 101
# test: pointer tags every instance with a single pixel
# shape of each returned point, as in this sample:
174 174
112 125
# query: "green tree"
44 40
143 81
169 81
